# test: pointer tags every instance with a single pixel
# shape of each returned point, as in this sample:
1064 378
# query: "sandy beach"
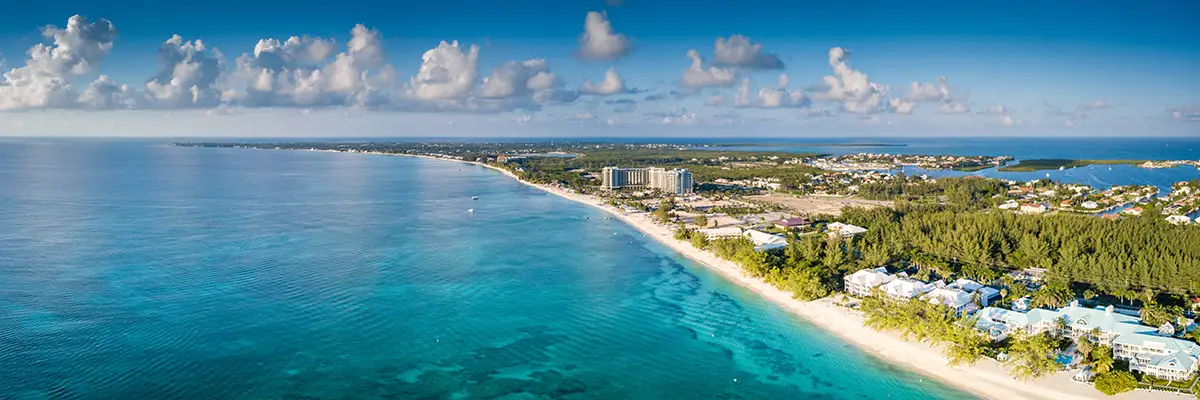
986 378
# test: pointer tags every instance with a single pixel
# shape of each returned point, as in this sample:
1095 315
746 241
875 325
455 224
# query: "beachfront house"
863 282
1091 205
905 288
765 241
1010 205
838 229
956 299
985 294
1147 349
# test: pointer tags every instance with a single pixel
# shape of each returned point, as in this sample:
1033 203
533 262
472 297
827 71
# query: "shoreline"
987 378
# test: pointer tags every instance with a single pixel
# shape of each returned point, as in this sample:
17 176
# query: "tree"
700 220
1089 294
1085 346
1031 356
1052 295
1102 359
1115 382
699 240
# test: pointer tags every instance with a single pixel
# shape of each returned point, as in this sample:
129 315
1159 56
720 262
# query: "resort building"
765 241
837 229
675 181
864 281
1149 350
905 288
1179 220
956 299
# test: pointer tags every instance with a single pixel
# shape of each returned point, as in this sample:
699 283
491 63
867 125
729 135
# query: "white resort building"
906 288
1149 350
676 181
861 283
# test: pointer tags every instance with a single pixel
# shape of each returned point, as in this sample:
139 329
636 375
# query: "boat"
470 210
1060 168
474 197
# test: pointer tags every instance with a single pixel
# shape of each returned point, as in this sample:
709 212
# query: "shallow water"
140 271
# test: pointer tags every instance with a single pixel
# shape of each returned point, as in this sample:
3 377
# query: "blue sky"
1019 68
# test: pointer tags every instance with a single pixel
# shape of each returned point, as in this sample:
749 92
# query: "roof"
953 298
846 229
792 222
905 287
1091 318
870 277
1177 354
765 241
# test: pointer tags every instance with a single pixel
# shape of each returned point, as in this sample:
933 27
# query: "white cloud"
1187 113
446 72
44 81
186 75
612 84
290 74
518 78
902 106
851 87
929 91
998 109
599 41
765 97
739 52
1096 105
106 94
696 76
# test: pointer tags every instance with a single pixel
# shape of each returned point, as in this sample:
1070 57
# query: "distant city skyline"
601 68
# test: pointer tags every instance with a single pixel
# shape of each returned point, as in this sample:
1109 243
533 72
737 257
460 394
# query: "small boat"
474 197
470 210
1060 168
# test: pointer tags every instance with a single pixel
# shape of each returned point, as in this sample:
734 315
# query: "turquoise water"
140 271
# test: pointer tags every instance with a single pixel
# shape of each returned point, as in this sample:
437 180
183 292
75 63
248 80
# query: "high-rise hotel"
677 181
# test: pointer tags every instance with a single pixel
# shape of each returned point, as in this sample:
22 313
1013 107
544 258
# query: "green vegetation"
968 192
790 176
1056 163
1115 382
1101 359
927 322
1031 356
1119 258
700 220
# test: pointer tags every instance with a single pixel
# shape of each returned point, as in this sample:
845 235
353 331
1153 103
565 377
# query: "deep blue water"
136 270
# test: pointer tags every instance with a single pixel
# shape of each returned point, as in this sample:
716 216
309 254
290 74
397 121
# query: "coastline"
987 378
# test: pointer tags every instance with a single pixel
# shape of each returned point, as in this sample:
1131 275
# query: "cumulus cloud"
599 41
518 78
767 97
696 76
852 88
739 52
902 106
998 109
297 73
186 75
930 91
44 80
105 94
447 72
612 84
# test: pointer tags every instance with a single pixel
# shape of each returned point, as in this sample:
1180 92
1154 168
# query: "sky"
597 68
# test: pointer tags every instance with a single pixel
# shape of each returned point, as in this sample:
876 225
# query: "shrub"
1115 382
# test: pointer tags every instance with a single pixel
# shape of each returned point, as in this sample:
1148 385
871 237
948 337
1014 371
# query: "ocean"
135 270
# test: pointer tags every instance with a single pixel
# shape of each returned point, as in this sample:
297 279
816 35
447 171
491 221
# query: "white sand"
986 378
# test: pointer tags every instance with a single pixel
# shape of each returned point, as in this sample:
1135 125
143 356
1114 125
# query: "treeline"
1121 258
969 192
